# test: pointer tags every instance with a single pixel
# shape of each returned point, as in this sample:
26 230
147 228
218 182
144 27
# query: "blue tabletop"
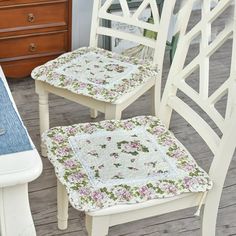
14 138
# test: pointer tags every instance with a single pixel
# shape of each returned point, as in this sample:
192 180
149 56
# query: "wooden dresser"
33 32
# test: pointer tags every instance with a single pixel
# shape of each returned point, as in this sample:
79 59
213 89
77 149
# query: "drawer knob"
32 47
31 17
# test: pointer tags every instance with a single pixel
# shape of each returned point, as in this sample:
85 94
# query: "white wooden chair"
101 206
108 83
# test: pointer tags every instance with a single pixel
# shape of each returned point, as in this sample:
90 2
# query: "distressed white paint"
16 170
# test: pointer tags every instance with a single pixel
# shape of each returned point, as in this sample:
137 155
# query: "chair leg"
97 226
210 213
93 113
155 99
62 206
43 118
112 112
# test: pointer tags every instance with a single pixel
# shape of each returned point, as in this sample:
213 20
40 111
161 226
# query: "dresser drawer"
38 15
17 2
22 68
33 44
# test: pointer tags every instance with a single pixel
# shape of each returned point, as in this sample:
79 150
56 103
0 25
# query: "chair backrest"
159 24
223 145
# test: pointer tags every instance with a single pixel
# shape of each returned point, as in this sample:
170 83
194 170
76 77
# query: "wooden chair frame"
98 222
222 148
113 111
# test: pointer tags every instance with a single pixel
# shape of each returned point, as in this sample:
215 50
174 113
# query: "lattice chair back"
223 145
159 24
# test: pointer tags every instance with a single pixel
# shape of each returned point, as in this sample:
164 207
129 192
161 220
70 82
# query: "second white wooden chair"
99 79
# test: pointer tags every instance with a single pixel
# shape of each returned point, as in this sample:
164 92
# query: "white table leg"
15 214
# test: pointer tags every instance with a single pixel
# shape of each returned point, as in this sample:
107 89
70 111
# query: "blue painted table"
20 163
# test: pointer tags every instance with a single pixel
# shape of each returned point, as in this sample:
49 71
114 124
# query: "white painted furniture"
62 84
222 147
16 171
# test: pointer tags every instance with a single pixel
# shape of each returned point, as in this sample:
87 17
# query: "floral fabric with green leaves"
168 168
96 73
121 157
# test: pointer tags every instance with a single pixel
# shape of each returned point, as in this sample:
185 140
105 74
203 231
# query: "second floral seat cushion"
96 73
122 162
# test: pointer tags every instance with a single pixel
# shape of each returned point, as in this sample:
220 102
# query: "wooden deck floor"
42 192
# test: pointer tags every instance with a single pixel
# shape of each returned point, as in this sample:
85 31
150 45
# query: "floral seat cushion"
96 73
122 162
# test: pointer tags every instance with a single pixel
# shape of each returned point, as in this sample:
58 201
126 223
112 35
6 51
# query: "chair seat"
97 73
121 162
